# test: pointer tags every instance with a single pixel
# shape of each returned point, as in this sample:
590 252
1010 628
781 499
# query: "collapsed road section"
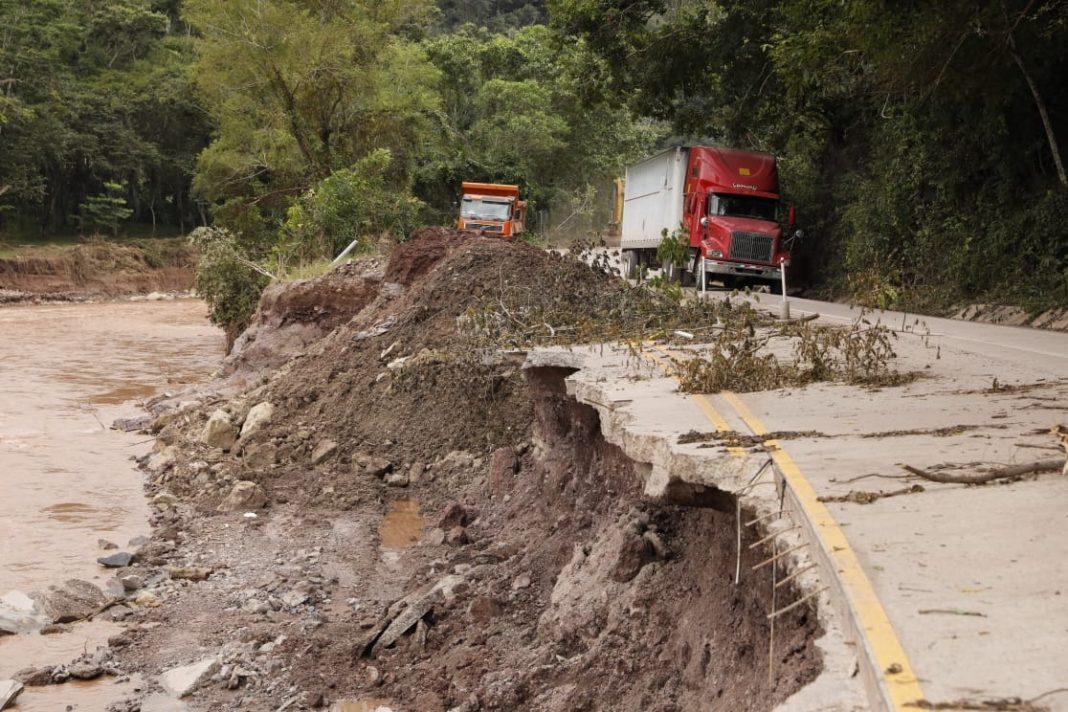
467 479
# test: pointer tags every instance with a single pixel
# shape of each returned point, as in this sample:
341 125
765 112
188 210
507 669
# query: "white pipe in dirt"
703 273
344 253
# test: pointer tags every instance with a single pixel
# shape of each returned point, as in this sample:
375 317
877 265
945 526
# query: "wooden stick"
989 475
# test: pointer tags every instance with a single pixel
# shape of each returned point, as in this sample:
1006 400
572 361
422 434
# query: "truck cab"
492 209
732 215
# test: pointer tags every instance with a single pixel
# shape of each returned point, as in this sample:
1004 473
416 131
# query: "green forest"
920 141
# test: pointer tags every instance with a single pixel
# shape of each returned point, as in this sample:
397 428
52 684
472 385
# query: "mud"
97 269
443 530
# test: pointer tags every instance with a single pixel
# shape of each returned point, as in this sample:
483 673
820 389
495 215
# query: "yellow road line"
899 678
702 402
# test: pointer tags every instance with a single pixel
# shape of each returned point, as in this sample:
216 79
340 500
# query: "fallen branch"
988 476
869 497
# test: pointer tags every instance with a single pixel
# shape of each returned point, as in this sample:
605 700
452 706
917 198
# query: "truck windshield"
742 206
485 209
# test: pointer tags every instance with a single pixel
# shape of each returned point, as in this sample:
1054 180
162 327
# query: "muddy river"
67 480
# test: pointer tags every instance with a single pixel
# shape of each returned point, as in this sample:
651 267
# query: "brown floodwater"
67 480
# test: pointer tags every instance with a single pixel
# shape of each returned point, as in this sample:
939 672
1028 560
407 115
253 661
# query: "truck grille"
751 246
485 227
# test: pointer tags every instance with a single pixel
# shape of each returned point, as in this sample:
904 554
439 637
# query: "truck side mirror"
704 221
791 216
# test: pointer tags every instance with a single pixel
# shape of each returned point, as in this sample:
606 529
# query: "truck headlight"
715 254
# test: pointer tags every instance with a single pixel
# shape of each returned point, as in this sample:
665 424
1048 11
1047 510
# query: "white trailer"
653 198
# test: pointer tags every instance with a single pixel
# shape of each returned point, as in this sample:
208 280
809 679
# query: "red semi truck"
726 200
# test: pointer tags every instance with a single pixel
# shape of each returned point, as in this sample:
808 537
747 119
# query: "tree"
302 88
105 210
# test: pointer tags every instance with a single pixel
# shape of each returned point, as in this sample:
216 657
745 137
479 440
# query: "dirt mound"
292 315
100 268
542 580
428 246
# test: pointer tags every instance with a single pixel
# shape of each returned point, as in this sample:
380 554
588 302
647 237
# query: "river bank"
96 269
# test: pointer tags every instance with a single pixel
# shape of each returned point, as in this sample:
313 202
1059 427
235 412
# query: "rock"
130 425
132 582
397 479
455 515
106 545
35 676
119 640
75 600
113 588
416 472
55 629
294 598
436 537
410 610
20 613
502 469
146 599
161 461
219 431
115 561
635 553
164 501
260 455
85 671
138 541
258 416
323 451
483 609
371 465
457 536
244 495
521 581
189 573
9 690
180 681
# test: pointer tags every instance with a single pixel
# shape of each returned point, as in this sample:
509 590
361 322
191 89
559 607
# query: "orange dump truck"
492 209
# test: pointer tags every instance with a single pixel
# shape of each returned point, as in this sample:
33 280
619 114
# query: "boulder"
370 465
75 600
164 501
19 613
245 495
180 681
258 416
35 676
85 670
259 455
404 614
219 431
162 460
117 560
323 451
130 425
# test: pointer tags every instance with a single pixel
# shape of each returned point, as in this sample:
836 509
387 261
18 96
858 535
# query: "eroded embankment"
97 268
542 578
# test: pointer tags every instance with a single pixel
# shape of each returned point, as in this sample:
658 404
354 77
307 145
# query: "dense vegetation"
919 139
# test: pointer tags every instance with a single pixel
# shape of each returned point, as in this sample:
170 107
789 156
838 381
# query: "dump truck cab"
492 209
